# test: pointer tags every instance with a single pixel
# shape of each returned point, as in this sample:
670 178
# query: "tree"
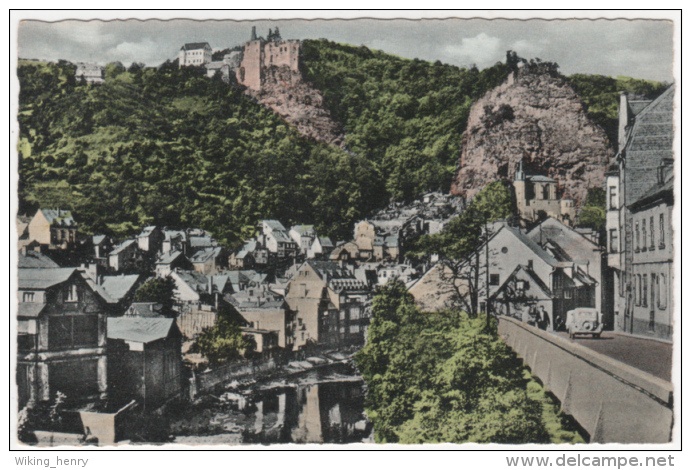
443 377
162 291
113 69
458 245
224 341
593 212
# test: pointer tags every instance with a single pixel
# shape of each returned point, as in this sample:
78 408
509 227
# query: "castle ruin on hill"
259 54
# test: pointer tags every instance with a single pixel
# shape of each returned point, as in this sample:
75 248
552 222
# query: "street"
653 357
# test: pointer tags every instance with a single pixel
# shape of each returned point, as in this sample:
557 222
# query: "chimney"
210 285
623 118
254 33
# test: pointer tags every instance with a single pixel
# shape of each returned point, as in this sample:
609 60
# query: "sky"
635 48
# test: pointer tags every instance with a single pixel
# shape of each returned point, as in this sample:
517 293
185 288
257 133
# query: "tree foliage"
462 234
593 213
168 146
160 290
406 116
224 341
443 377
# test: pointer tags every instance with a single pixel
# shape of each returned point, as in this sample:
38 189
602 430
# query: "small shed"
144 359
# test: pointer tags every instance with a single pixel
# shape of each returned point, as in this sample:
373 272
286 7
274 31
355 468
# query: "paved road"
653 357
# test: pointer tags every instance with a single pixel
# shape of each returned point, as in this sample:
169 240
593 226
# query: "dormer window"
28 297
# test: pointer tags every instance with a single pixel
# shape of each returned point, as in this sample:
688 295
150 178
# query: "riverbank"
322 402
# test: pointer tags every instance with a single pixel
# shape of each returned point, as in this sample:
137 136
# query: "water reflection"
316 413
322 406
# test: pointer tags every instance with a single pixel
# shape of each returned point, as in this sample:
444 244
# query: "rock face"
286 93
537 117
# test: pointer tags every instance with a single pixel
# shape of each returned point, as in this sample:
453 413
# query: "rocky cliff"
539 117
286 93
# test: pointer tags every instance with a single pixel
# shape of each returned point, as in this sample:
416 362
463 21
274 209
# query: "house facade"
331 305
195 54
144 359
640 199
61 336
55 228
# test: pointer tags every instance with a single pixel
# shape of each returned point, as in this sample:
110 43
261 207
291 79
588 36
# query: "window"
612 197
662 291
568 294
504 250
640 290
638 238
634 292
521 285
613 241
662 231
494 279
72 331
652 233
28 297
644 232
644 300
72 293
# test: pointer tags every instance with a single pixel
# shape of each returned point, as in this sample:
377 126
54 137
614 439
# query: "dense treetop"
444 377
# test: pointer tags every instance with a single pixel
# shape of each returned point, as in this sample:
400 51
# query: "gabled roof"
146 231
303 229
557 251
145 309
649 142
542 254
122 247
34 259
552 223
42 278
201 242
281 237
192 46
274 224
328 270
168 258
140 329
202 256
59 217
583 278
326 242
118 287
98 239
531 274
198 282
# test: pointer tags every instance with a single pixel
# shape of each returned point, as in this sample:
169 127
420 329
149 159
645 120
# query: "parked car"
583 321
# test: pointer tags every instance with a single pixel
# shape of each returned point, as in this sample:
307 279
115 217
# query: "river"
325 405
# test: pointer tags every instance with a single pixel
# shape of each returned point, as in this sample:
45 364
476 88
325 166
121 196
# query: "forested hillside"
406 116
169 146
